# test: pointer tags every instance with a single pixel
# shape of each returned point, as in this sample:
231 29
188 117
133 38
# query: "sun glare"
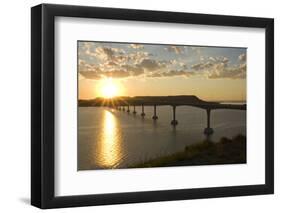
109 88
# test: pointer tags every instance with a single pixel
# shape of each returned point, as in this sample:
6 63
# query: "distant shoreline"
220 101
174 100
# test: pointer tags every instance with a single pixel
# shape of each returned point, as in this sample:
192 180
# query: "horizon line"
216 100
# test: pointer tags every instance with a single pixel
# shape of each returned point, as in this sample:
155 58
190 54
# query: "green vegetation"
226 151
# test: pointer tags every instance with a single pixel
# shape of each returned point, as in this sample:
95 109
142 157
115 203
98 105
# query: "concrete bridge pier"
142 111
174 122
135 112
128 108
154 117
123 108
208 130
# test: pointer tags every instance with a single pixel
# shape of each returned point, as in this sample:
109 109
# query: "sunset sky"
127 69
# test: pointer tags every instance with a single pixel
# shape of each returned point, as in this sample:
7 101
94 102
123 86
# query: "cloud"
125 71
134 70
218 67
178 73
171 73
86 49
137 57
136 46
98 61
220 59
183 65
99 75
173 61
211 62
90 75
113 62
109 69
107 53
242 57
175 49
110 64
202 65
118 55
151 65
83 66
81 62
237 72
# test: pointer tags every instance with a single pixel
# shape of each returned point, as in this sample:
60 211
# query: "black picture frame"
43 101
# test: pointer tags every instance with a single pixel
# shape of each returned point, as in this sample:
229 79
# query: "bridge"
126 103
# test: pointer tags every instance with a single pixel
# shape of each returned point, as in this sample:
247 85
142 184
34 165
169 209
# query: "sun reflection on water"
109 148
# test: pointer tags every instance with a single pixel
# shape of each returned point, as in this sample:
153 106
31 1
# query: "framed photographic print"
140 106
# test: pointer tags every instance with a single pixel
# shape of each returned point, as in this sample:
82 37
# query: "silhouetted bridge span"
126 103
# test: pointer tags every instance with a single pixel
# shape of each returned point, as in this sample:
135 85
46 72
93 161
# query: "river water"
108 138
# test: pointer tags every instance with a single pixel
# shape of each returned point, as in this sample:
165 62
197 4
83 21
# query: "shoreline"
225 151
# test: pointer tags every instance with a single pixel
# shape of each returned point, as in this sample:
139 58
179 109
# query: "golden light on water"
110 139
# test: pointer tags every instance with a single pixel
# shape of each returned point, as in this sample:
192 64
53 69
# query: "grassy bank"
226 151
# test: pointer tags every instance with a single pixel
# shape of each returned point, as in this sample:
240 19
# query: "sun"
109 88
